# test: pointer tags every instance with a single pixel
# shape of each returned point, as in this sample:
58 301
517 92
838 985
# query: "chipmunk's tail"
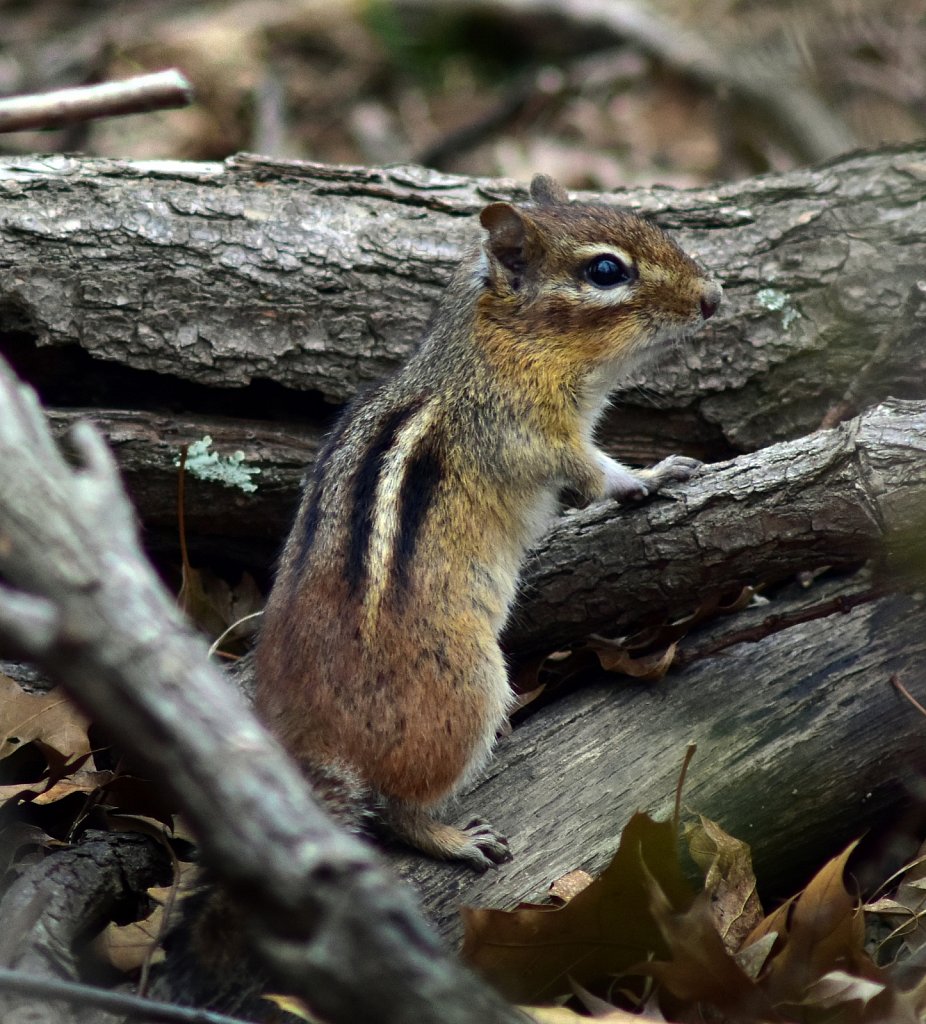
208 963
339 789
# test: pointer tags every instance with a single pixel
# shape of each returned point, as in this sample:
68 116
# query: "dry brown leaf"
186 875
820 973
845 998
738 603
821 937
570 884
668 632
728 880
18 837
838 987
805 962
525 697
614 657
127 946
78 782
886 905
21 791
293 1005
772 924
525 677
50 718
532 954
560 1015
752 958
700 969
824 931
911 894
113 789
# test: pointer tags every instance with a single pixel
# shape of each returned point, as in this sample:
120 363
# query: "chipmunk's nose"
710 299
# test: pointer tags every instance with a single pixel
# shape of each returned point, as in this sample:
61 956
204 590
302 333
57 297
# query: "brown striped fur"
379 650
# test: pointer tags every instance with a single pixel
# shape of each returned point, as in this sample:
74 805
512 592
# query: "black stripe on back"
364 498
423 474
313 510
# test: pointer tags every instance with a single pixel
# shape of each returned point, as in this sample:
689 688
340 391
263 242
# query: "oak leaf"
615 657
49 718
838 987
820 930
699 969
532 954
728 879
570 885
128 946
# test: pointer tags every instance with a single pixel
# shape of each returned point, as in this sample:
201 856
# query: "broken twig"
137 95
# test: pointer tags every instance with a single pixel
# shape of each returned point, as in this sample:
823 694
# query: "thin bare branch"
32 620
132 1007
136 95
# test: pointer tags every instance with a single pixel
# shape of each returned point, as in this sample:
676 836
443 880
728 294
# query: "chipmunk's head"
593 286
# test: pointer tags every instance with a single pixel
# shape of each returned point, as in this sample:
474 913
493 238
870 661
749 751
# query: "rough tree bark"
264 278
803 745
252 298
48 912
834 498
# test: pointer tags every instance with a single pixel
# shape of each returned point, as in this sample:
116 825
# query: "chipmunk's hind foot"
478 845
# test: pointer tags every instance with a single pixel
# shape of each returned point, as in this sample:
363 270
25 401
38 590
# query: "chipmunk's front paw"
674 469
620 482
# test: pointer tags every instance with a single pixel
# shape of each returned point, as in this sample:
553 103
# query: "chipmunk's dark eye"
608 271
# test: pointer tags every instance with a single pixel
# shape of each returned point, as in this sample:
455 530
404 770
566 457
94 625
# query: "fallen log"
319 279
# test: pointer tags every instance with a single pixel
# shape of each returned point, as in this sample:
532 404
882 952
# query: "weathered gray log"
836 497
147 446
832 498
321 278
803 745
779 786
91 611
56 906
710 405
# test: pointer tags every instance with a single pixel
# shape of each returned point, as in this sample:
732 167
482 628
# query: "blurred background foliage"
599 93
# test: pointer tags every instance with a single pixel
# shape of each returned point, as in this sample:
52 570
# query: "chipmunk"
378 664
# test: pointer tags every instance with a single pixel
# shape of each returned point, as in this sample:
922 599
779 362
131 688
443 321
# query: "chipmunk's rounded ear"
510 235
545 191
